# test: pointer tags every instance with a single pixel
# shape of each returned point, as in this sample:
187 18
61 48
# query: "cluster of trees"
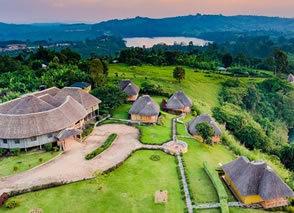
209 57
26 72
270 106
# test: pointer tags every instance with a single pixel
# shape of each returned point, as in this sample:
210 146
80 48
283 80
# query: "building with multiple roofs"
145 110
204 118
131 89
37 118
255 182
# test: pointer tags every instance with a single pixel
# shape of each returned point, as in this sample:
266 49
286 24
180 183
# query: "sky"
93 11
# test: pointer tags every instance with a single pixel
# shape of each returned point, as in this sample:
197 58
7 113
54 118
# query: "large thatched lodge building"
145 110
204 118
38 118
255 182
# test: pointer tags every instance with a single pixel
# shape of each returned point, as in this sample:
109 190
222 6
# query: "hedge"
100 149
221 191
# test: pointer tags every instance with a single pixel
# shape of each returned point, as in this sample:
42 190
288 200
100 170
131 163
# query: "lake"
150 42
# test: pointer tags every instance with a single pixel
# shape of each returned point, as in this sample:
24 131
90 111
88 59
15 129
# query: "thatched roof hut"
79 95
129 87
68 132
30 116
291 78
179 100
145 105
203 118
256 178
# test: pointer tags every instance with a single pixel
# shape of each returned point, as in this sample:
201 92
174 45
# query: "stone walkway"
216 205
71 166
186 189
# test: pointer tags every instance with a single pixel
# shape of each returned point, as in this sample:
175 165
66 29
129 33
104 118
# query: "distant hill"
192 25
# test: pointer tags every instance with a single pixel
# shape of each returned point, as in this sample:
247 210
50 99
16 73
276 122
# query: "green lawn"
122 112
23 162
130 188
202 187
232 210
158 134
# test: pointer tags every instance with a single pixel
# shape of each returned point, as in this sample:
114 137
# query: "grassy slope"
130 188
23 162
194 158
200 88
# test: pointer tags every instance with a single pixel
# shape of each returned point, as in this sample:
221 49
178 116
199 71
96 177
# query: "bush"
155 157
55 149
15 151
100 149
12 203
88 130
2 152
222 194
48 147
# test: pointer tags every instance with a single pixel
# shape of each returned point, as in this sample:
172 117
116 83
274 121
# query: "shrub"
222 194
15 168
88 130
40 160
55 148
2 152
15 151
100 149
48 147
12 203
155 157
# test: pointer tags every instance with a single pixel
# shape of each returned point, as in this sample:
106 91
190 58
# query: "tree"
281 62
205 131
227 60
179 73
97 72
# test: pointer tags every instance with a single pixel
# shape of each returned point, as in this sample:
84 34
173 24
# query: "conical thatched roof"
291 78
145 105
179 100
68 132
256 178
50 100
29 104
50 91
14 126
203 118
129 87
79 95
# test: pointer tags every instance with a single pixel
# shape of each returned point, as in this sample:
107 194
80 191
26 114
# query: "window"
17 141
5 141
50 135
33 138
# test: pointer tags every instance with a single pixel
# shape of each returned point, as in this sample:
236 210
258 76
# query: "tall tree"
179 73
227 60
97 72
205 131
281 62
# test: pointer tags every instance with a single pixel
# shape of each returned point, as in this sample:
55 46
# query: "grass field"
23 162
194 158
130 188
122 112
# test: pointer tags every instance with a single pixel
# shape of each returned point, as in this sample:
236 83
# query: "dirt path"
71 165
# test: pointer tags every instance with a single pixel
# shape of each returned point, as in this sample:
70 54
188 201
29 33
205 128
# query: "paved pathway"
216 205
186 190
71 166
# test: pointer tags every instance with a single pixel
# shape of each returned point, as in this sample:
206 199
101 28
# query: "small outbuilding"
255 182
179 103
291 78
204 118
145 110
131 89
83 85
